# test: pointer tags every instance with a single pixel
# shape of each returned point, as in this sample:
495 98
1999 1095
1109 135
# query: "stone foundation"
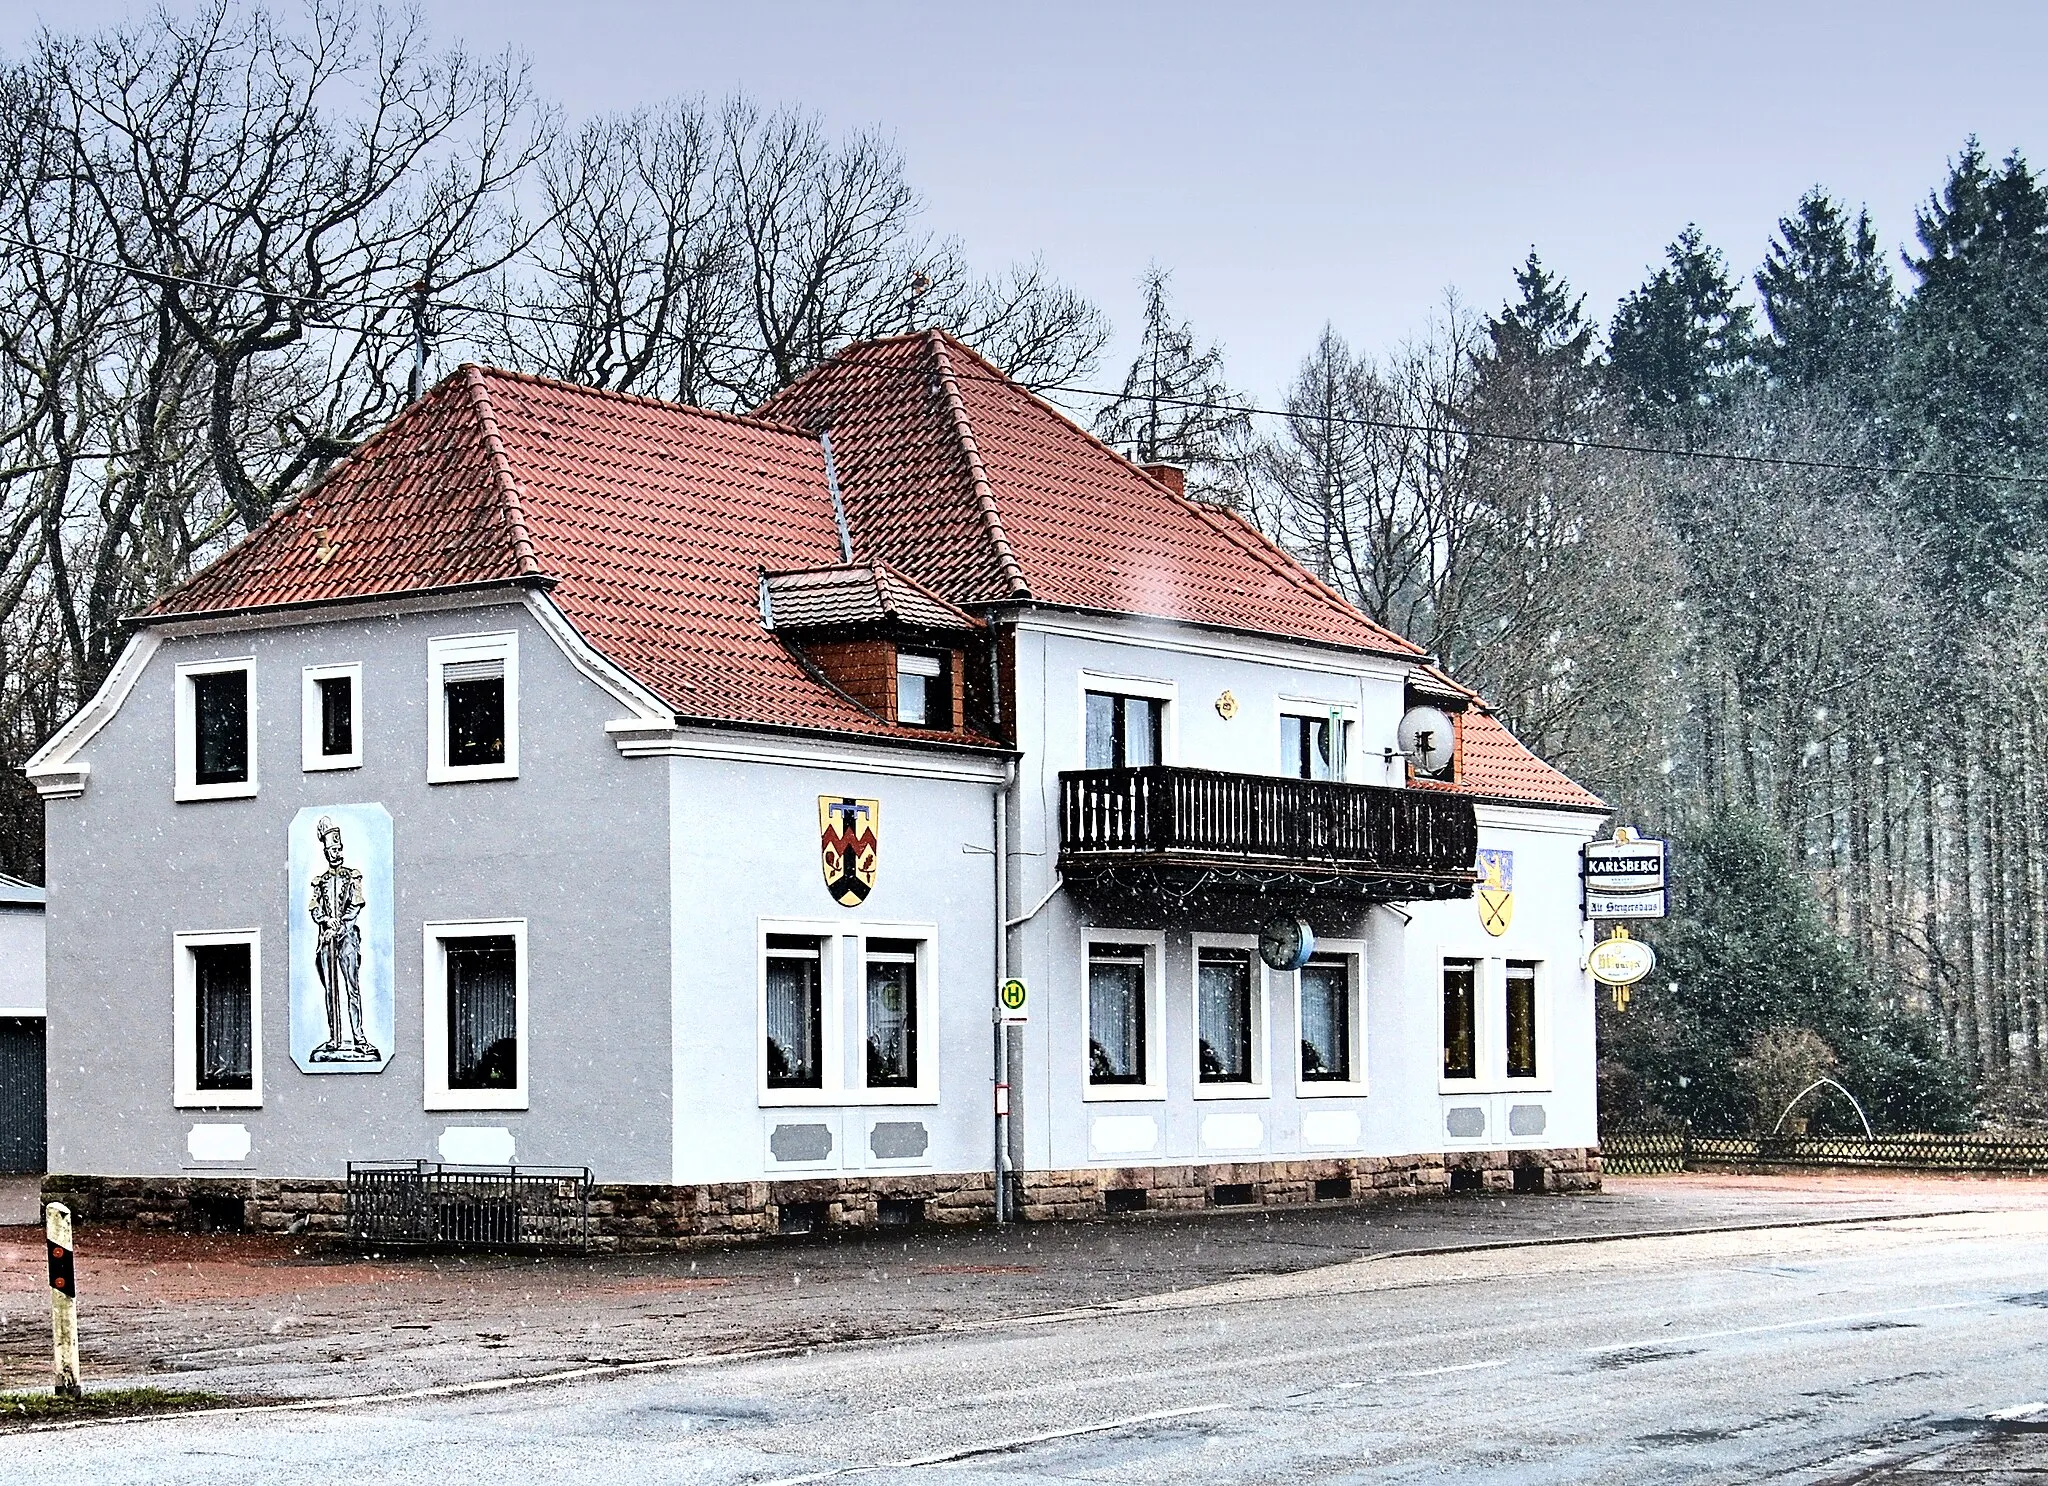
647 1216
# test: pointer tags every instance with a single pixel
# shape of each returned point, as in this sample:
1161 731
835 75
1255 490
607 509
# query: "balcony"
1184 832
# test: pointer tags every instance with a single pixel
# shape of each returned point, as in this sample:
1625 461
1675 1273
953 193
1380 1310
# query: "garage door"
23 1146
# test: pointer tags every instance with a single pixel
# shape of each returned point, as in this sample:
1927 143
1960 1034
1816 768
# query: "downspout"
1000 1064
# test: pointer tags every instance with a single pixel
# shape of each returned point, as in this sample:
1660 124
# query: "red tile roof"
1493 764
653 525
654 521
986 494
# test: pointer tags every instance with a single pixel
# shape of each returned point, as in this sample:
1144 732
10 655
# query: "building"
21 1026
572 778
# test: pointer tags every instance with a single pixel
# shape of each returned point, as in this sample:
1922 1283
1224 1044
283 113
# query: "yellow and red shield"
1496 891
847 831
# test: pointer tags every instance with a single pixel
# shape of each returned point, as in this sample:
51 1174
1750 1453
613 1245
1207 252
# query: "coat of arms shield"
1496 890
847 831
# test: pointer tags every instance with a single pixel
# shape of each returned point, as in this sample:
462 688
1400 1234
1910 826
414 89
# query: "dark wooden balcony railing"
1169 814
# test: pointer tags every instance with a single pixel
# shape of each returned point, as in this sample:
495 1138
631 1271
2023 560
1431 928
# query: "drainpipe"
1001 1059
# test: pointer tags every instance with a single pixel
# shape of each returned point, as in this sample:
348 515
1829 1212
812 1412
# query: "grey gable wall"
577 845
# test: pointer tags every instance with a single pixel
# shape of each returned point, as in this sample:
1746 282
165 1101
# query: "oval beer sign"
1621 961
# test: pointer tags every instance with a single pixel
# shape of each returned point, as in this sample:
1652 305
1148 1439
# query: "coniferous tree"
1972 383
1174 406
1680 345
1829 300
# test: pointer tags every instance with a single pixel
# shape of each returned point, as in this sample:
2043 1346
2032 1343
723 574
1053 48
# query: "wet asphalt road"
1812 1354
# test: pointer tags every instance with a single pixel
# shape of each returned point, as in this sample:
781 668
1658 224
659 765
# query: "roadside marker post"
63 1298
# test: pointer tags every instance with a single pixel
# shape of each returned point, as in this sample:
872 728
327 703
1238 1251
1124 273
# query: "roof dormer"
885 641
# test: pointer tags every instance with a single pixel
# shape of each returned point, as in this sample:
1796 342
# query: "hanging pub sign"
1620 960
1624 877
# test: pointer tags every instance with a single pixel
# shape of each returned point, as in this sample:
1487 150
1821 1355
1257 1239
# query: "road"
1814 1354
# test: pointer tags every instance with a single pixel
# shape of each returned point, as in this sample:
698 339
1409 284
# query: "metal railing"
481 1207
1656 1151
1164 810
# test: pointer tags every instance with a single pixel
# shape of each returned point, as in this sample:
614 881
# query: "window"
330 718
472 708
215 743
892 1013
1314 747
476 1015
1116 1015
1521 1020
1124 732
1328 1020
795 1041
843 1013
1461 1040
1224 1015
923 698
217 1022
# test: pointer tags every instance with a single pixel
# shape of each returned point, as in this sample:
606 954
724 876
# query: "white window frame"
926 1090
913 661
186 1093
447 650
1490 1027
311 759
1261 1086
434 1013
831 1088
1353 952
1544 1080
1319 709
1153 943
185 712
1483 1057
1164 690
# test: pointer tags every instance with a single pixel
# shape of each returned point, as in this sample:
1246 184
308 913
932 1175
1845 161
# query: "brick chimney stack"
1172 476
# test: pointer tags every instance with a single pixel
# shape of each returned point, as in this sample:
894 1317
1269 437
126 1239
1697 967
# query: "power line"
1349 420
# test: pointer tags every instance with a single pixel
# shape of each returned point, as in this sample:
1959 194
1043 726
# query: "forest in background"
1764 568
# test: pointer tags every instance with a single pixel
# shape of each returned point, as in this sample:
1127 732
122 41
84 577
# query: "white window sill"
1123 1094
849 1099
327 765
1233 1091
189 792
472 775
475 1099
1464 1087
219 1099
1330 1089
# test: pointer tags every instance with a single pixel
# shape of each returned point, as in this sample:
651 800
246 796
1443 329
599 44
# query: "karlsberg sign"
1624 877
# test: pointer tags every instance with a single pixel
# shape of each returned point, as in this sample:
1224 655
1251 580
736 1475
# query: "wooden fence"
1650 1152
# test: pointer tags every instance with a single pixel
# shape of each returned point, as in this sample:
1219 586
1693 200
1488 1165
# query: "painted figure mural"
341 931
336 904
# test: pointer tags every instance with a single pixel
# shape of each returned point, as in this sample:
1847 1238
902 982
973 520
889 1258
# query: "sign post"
1012 1003
63 1298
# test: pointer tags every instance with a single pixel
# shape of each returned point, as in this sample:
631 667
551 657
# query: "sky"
1293 165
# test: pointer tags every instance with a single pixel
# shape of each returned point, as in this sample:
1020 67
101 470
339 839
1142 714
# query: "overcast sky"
1296 164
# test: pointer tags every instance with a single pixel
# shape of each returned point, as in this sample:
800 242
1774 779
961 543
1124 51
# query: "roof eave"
150 620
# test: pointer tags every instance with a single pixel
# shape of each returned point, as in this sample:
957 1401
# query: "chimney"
1172 476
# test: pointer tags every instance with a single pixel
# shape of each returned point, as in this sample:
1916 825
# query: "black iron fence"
1651 1152
481 1207
1166 810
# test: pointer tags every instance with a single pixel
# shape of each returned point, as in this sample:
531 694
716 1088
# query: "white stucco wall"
21 960
1402 1108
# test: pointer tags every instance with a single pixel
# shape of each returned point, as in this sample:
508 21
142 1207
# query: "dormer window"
922 696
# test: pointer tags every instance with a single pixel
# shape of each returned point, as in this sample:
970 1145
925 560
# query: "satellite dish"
1426 737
